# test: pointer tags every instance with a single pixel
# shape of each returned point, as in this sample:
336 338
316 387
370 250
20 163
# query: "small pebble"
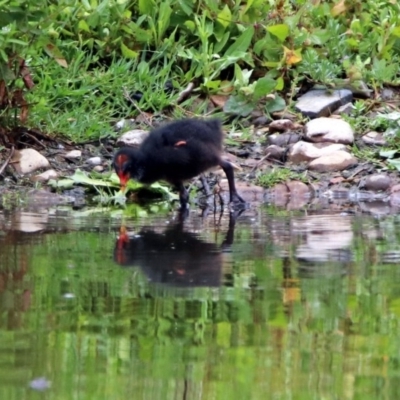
98 168
94 160
73 154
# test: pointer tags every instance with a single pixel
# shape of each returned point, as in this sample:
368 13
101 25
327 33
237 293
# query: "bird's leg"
183 195
233 194
205 184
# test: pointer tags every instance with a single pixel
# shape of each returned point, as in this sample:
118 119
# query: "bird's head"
124 164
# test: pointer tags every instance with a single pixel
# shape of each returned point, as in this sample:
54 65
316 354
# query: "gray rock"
283 125
346 109
337 161
374 138
45 176
274 152
133 138
28 160
73 154
260 121
387 94
329 130
376 182
305 151
94 160
321 103
283 139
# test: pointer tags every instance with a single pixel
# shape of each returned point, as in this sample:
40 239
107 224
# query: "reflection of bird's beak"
123 180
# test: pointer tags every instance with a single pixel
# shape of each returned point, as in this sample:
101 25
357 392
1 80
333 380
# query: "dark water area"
280 305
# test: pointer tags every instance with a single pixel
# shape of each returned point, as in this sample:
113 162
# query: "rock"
94 160
73 154
387 94
259 121
133 138
283 125
321 103
98 168
278 195
329 130
249 193
123 123
28 160
298 189
346 109
275 153
336 161
376 182
45 176
305 151
394 199
283 139
374 138
377 208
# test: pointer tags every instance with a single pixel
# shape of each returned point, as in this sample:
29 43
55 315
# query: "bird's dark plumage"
175 153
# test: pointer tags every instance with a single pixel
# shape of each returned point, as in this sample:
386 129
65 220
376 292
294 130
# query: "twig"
35 140
3 167
185 93
127 96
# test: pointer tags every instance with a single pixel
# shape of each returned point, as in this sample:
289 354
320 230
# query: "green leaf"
263 87
395 163
387 153
242 43
236 105
224 16
275 105
281 31
127 52
83 26
146 6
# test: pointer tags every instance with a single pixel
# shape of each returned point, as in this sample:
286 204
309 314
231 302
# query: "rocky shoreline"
319 153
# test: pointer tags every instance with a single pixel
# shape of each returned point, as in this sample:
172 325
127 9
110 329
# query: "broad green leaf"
242 43
387 153
127 52
280 83
395 163
190 25
396 31
263 87
224 16
146 6
236 105
83 26
281 31
275 105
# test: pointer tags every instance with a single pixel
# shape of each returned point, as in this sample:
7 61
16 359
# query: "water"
284 305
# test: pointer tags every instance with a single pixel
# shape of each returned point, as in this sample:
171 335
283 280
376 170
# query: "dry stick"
185 92
146 120
3 167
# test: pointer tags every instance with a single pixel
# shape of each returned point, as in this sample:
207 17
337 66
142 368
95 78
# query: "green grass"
279 175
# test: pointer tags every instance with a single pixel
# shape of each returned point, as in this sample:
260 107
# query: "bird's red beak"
123 180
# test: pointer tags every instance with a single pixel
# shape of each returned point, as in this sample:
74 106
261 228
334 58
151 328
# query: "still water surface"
301 305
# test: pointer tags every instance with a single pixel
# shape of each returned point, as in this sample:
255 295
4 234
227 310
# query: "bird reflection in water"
174 257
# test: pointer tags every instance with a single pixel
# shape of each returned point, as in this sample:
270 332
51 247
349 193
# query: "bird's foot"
237 203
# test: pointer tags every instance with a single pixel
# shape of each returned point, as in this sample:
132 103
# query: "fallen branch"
3 167
185 93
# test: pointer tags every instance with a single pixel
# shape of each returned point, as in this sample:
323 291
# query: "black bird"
176 152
